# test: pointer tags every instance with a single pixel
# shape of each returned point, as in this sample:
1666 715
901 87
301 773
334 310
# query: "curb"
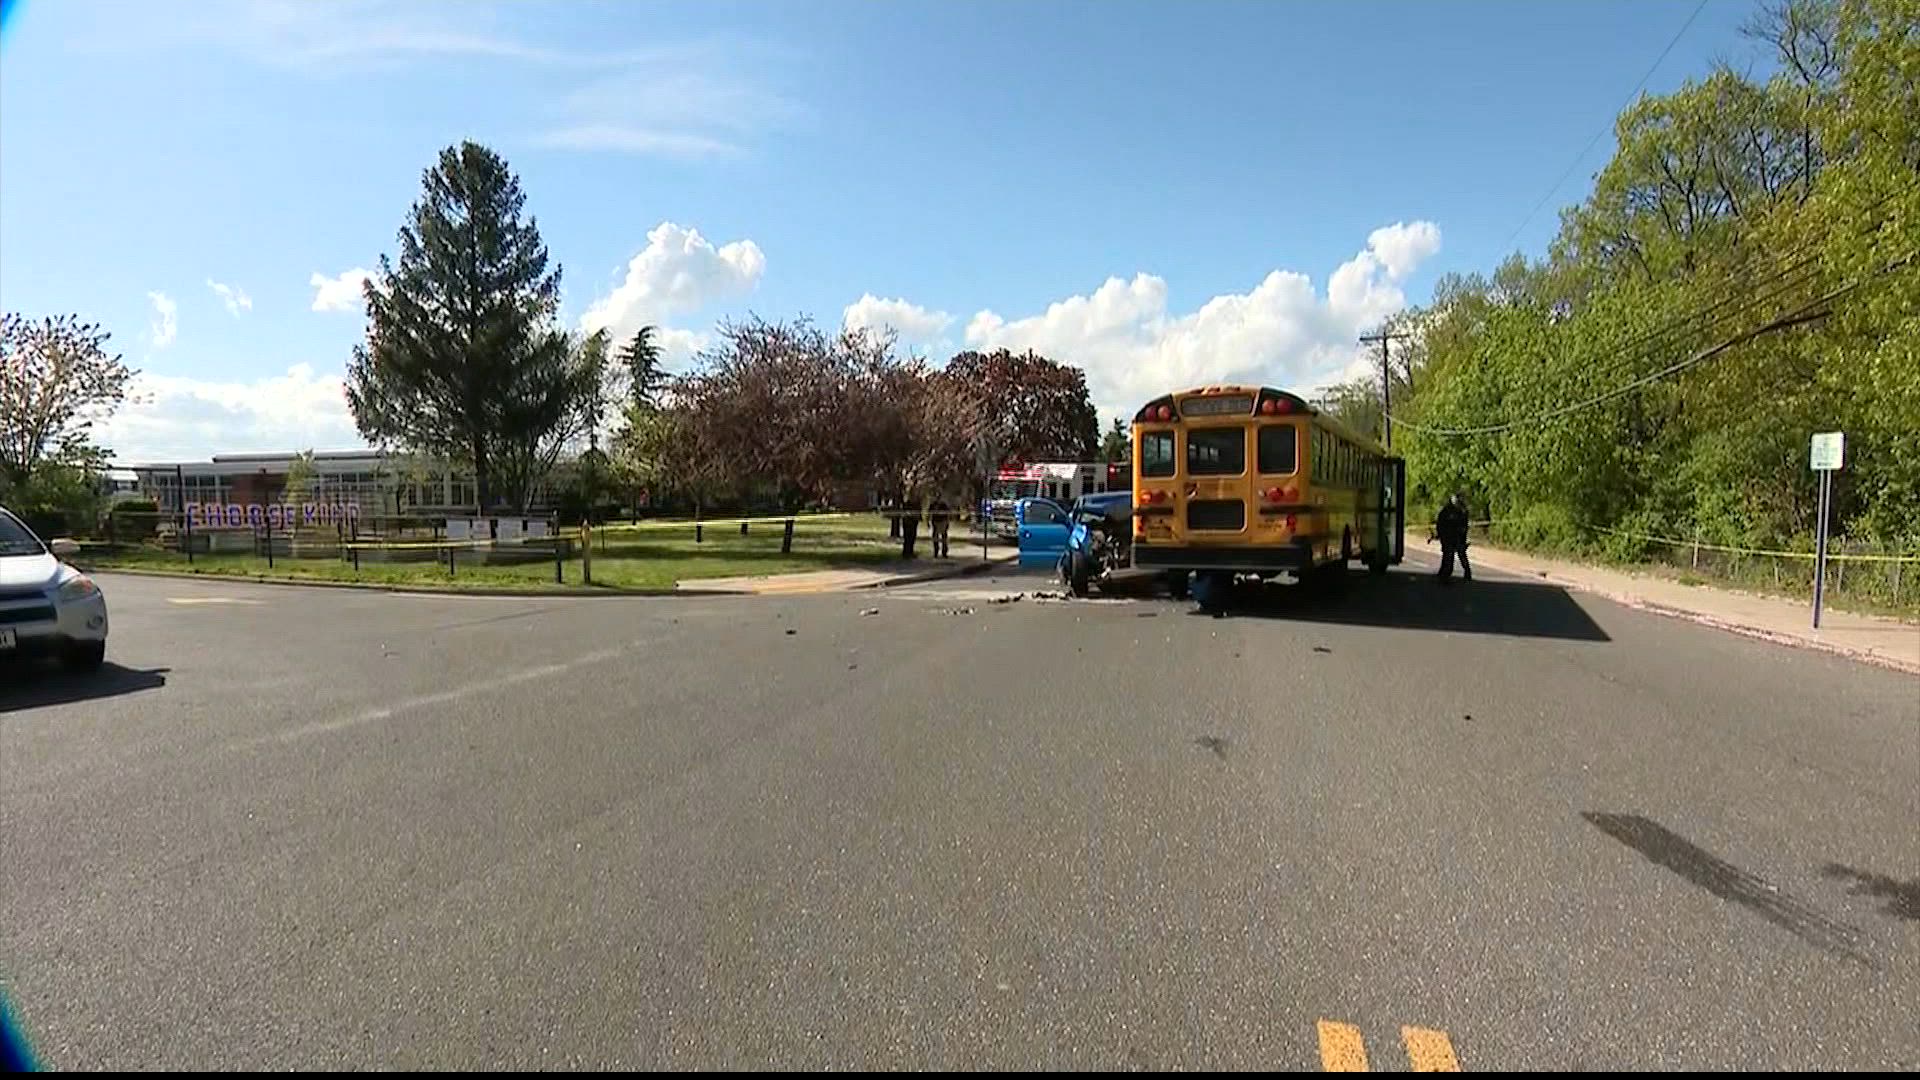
939 574
428 590
1865 656
1701 618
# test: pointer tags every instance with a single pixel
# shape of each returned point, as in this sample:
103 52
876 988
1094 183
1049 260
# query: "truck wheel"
1079 573
1177 584
1210 589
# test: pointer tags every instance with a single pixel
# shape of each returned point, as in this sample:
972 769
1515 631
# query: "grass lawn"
649 557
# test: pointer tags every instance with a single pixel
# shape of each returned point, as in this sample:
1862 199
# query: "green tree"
1117 443
640 359
57 380
1742 274
463 359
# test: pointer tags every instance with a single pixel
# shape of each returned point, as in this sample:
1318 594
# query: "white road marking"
392 709
213 600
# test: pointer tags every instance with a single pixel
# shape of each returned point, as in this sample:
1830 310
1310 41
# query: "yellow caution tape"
1831 557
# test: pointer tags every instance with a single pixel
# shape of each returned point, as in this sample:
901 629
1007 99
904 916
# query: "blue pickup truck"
1085 544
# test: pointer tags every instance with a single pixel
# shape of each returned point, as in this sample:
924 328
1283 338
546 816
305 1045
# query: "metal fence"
1863 573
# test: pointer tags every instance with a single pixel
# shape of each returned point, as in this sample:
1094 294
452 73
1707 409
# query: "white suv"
46 606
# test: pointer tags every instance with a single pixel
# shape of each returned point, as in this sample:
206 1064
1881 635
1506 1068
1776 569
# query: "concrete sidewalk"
902 572
1876 639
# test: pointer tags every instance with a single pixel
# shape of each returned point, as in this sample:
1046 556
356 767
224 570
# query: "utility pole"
1386 377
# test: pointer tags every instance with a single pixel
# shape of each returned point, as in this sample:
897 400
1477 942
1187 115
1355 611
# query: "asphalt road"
317 828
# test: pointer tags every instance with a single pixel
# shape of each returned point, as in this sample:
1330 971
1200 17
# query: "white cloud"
165 326
691 102
621 138
1281 332
679 272
914 325
1401 247
235 298
171 417
339 293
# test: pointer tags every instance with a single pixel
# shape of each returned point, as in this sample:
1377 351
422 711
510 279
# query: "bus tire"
1079 573
1377 562
1346 548
1177 586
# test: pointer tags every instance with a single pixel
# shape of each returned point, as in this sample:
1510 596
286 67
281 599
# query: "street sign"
1829 450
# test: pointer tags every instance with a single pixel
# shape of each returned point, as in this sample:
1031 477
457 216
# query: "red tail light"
1292 520
1275 495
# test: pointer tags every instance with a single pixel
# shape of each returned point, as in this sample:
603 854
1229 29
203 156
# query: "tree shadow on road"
26 686
1666 849
1416 602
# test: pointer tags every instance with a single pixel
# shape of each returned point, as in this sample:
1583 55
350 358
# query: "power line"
1801 266
1585 150
1803 314
1386 376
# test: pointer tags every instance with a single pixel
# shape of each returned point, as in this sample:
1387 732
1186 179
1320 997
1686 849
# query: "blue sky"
1162 193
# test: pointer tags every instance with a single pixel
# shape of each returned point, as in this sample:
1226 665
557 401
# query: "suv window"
16 538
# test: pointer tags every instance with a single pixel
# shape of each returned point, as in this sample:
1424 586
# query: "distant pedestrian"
1451 527
942 520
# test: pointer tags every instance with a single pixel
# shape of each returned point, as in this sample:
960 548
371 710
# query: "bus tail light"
1274 495
1292 521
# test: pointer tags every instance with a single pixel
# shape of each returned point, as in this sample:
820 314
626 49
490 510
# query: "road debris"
870 611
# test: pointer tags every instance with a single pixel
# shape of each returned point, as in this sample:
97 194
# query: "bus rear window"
1216 451
1279 449
1156 453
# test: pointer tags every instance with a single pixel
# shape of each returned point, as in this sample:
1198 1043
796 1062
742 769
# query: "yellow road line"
1341 1048
1429 1050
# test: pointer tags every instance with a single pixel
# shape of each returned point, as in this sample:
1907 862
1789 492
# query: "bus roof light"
1164 412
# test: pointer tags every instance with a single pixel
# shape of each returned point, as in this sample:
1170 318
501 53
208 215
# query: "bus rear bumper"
1292 558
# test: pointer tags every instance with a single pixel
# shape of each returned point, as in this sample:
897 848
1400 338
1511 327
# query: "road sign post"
1828 454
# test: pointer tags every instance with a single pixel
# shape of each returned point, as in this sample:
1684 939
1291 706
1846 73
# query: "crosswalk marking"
1341 1048
1429 1050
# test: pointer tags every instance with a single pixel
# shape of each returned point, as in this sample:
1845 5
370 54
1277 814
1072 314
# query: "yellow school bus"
1231 480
